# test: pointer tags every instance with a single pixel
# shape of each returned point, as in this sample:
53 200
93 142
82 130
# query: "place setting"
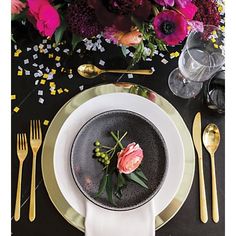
138 154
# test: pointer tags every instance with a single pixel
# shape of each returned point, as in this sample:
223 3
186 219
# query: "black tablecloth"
48 220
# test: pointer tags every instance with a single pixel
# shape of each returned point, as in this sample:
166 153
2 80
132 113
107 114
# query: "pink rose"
46 16
188 10
129 158
17 6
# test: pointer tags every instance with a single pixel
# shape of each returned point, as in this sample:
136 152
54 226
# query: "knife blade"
197 139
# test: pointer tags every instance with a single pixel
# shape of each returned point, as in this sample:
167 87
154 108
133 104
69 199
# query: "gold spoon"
90 71
211 140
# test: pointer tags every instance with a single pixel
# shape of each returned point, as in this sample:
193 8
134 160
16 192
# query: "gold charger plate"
64 208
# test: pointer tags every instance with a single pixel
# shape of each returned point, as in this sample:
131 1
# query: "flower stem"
118 140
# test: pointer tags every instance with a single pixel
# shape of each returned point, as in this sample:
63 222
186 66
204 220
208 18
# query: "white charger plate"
114 101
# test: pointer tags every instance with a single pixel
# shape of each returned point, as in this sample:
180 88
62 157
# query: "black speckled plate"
87 171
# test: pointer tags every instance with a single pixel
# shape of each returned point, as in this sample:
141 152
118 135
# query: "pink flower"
171 27
17 6
46 17
188 11
129 158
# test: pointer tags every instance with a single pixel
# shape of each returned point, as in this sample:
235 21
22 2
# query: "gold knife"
197 139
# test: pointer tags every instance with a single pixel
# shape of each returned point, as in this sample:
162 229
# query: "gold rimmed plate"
66 210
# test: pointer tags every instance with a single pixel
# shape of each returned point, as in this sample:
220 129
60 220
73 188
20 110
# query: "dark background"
48 220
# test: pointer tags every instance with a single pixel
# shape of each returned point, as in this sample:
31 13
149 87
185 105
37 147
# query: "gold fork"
22 151
35 143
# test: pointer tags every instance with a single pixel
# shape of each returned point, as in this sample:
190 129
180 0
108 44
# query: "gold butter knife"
197 139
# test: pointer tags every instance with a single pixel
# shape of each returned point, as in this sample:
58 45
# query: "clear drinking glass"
201 57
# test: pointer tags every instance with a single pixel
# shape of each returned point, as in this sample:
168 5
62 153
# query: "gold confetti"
222 28
214 32
16 54
18 51
52 85
45 76
213 40
53 92
66 90
53 71
16 109
46 122
54 45
42 81
13 97
176 54
62 69
220 9
60 90
20 72
70 71
57 58
216 45
50 55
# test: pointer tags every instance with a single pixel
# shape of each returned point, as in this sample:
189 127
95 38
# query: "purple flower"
170 26
81 19
165 2
180 3
118 12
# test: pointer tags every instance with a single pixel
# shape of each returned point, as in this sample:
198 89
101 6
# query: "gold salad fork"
22 151
35 143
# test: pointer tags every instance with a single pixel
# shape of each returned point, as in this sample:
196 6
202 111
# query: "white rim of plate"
115 101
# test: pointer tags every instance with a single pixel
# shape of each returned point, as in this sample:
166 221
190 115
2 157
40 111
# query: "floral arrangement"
145 25
120 164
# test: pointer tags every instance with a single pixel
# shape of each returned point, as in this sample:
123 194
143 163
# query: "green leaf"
102 185
109 189
19 17
75 40
140 174
137 180
60 31
121 182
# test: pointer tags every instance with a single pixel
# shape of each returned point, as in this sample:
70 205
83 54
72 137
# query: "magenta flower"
188 11
170 26
44 16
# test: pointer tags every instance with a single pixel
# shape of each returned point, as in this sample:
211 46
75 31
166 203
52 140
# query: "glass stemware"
201 57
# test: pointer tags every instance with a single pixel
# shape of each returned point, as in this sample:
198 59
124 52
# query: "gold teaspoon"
211 140
90 71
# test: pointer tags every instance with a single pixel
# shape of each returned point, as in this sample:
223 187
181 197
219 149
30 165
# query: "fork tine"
40 131
20 142
31 133
17 142
25 139
34 129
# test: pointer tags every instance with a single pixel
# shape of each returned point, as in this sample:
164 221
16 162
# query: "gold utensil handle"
18 193
138 72
203 203
32 191
215 209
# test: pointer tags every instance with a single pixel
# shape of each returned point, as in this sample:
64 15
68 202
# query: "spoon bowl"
211 138
89 71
